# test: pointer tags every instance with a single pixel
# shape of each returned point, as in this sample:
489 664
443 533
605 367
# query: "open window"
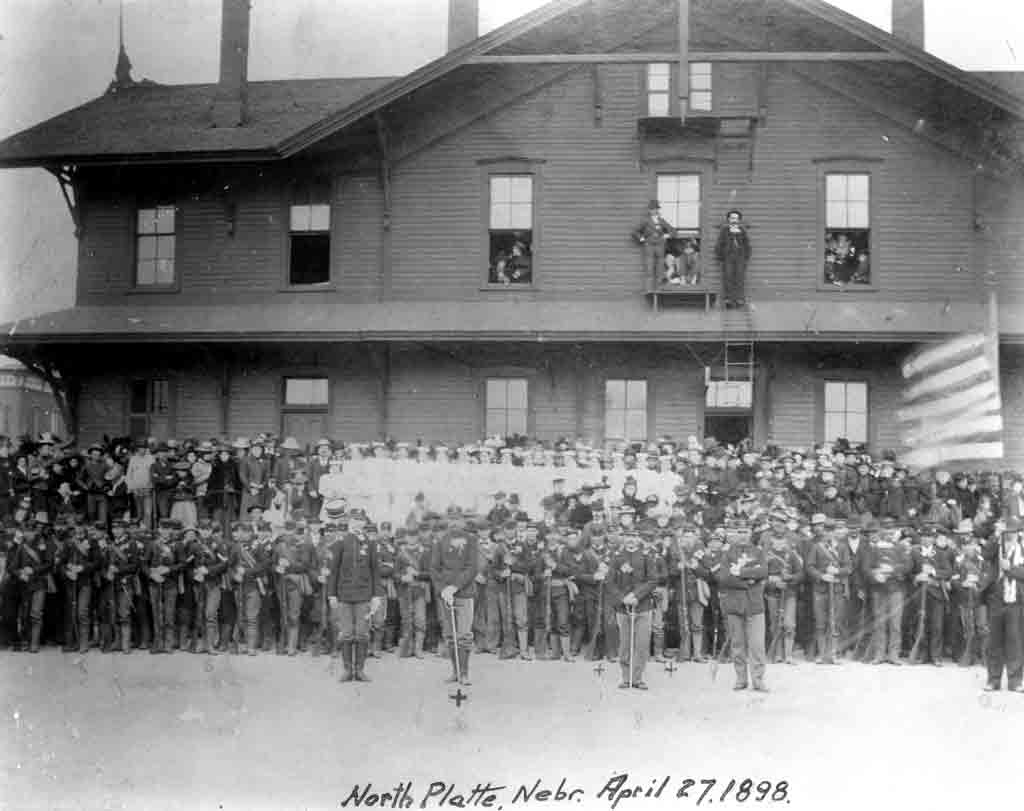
680 198
847 259
309 261
510 229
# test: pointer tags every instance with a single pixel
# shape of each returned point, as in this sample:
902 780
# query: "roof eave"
151 158
424 75
876 36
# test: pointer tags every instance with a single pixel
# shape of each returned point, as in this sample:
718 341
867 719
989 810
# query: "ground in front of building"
195 732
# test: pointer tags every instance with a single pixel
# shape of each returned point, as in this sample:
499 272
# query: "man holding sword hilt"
354 591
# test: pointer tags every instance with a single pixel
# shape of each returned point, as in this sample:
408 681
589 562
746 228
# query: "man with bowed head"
453 567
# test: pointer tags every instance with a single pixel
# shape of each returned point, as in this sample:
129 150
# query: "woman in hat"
202 466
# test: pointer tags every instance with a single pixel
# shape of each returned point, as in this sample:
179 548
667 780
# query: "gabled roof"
158 123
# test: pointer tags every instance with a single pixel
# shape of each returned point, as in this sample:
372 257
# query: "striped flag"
951 406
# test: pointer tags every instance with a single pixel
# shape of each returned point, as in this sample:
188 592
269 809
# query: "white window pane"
668 189
700 75
521 189
657 105
145 273
165 247
146 221
521 215
658 76
517 421
501 215
700 100
835 396
165 219
835 427
835 215
517 394
496 422
496 394
687 216
320 390
857 397
835 188
300 216
857 427
615 394
615 424
689 188
165 271
147 248
636 394
857 215
500 190
320 217
636 425
857 187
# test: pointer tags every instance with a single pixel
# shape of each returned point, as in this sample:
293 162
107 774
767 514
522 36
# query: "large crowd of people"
686 551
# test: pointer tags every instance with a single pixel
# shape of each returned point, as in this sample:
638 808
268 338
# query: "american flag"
951 410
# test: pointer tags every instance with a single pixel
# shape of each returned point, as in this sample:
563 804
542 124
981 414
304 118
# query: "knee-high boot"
83 637
126 637
360 663
566 649
524 647
36 630
540 643
417 644
659 646
293 640
347 652
464 666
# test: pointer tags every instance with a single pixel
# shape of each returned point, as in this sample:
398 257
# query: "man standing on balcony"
733 251
652 235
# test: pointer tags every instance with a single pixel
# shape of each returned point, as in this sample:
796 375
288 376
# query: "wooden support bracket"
384 146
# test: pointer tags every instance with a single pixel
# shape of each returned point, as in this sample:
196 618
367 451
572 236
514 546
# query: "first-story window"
846 411
310 249
306 392
847 229
510 229
155 246
625 410
149 406
506 404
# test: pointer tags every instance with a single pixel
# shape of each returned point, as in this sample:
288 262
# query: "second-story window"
511 229
154 246
659 89
700 86
680 198
310 249
847 229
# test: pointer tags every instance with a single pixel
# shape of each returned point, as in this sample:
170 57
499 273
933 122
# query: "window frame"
673 91
169 415
649 414
509 166
848 166
703 168
824 412
316 191
163 201
295 408
527 409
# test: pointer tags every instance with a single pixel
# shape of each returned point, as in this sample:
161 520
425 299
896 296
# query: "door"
728 429
305 427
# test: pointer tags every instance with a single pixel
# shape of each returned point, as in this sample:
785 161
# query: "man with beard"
629 589
453 568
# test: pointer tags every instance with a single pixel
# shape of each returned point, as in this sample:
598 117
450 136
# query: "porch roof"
301 319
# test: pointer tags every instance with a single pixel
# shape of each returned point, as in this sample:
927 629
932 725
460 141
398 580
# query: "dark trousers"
1006 623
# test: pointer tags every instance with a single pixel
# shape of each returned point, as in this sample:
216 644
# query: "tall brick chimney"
463 22
908 21
229 107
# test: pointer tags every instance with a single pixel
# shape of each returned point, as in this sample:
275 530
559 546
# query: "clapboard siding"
1012 381
357 234
554 402
255 401
432 399
678 391
354 406
102 407
198 408
105 251
792 421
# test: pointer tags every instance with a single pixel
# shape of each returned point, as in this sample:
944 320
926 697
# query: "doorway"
728 429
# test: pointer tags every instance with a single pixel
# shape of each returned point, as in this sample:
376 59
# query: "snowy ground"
194 732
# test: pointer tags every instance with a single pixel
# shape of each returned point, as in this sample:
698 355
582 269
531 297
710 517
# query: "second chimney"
908 21
463 22
229 107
